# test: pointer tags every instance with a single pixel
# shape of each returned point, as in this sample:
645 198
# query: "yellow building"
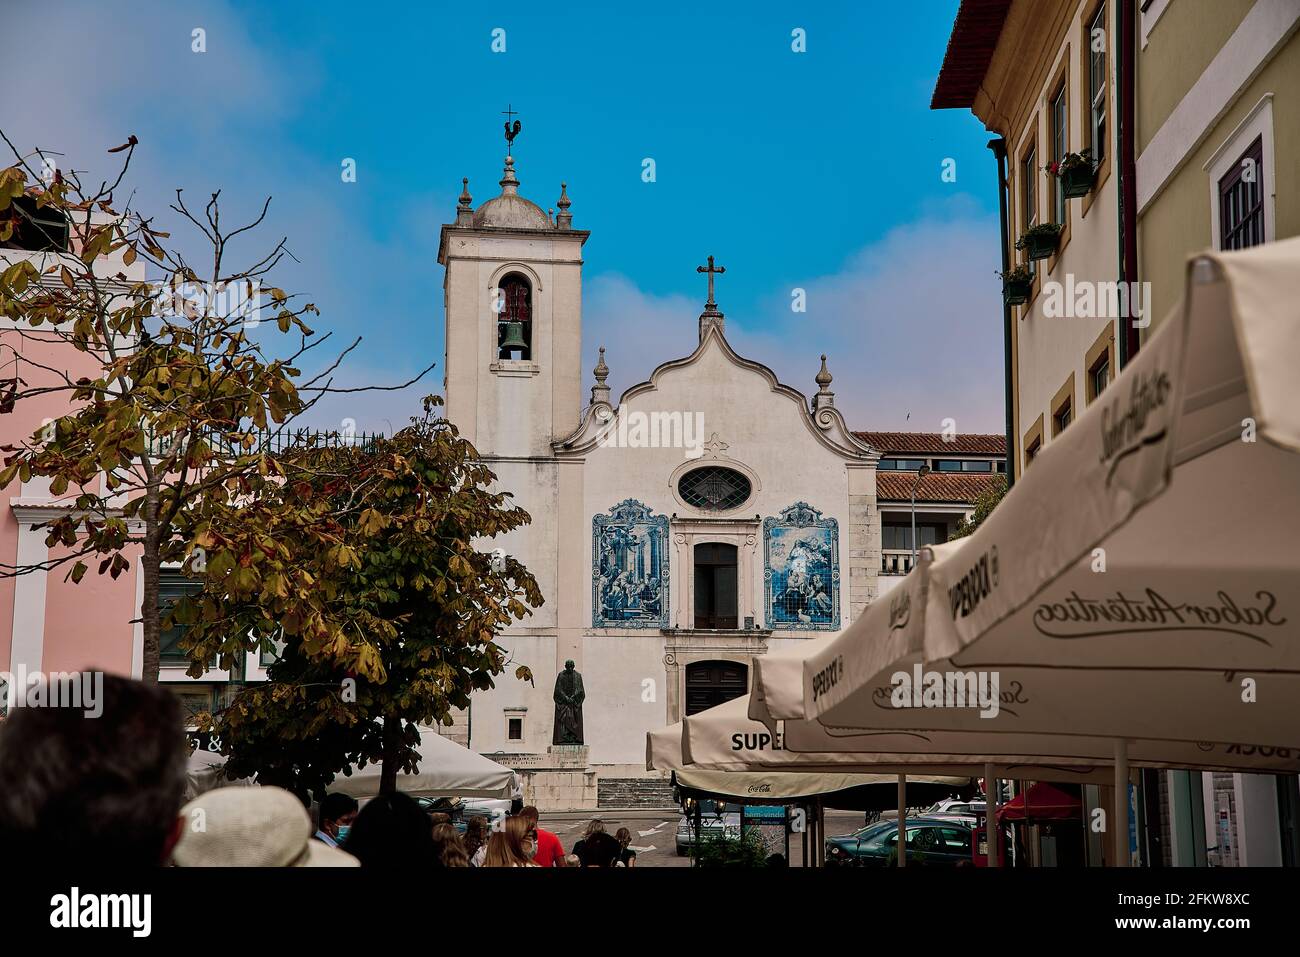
1190 113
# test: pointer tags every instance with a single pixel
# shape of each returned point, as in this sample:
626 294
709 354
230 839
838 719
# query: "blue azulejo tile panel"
629 572
801 570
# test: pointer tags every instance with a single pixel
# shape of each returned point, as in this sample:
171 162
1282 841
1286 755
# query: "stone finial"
824 398
565 219
600 391
509 183
464 208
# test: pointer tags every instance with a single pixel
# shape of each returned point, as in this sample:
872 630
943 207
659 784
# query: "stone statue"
569 696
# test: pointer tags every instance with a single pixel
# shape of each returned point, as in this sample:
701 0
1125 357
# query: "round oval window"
714 488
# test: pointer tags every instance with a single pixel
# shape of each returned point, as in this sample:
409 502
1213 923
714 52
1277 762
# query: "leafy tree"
362 564
985 502
180 404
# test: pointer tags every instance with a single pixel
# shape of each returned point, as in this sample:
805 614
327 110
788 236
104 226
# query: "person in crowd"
626 856
550 852
510 846
572 860
337 812
448 846
439 817
594 826
597 848
251 827
475 840
94 788
392 831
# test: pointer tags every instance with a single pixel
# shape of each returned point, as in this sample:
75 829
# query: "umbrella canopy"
1160 597
1042 802
203 772
773 784
446 770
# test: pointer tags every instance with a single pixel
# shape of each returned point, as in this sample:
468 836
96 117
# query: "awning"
1042 802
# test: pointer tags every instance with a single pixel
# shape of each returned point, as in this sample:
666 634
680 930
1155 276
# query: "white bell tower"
512 293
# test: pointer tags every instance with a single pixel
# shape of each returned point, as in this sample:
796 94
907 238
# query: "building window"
714 488
1061 418
716 595
977 466
897 536
1241 200
37 229
1099 376
172 586
1032 450
1029 192
1097 41
1060 146
900 465
514 307
1063 406
947 465
711 683
514 729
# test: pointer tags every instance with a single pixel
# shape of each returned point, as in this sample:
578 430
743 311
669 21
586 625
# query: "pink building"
48 623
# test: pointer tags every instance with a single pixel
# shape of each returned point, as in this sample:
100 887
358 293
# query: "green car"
931 842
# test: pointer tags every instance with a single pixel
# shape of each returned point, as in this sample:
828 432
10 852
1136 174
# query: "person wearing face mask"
337 812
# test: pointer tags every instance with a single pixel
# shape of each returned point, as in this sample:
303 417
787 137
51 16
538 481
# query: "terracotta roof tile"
935 487
932 443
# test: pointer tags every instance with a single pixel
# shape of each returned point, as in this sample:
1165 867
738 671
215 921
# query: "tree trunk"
149 611
392 753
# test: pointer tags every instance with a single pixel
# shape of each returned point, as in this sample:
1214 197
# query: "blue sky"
818 170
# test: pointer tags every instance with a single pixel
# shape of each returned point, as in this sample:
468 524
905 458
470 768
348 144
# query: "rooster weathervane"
512 130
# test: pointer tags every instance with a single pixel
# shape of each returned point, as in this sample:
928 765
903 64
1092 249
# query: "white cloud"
911 325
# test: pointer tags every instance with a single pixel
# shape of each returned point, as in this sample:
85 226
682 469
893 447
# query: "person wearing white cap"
251 827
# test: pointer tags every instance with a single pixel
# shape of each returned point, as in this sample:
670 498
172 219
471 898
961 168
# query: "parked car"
716 820
931 842
460 810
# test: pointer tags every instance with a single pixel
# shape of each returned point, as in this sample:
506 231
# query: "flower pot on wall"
1077 180
1040 242
1015 292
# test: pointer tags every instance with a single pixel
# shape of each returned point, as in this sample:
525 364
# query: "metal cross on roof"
511 133
711 270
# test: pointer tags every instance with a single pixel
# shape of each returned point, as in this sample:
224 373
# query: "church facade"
708 515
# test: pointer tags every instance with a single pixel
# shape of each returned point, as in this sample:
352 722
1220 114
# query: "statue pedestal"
559 780
572 757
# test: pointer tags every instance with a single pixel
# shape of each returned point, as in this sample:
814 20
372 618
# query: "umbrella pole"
901 843
820 850
1121 803
991 830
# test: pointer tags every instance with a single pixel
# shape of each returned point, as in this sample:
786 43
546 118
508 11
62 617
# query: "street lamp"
921 473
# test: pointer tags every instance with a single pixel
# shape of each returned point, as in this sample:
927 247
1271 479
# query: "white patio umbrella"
1141 579
446 770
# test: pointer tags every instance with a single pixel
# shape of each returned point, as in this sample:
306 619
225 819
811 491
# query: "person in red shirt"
550 852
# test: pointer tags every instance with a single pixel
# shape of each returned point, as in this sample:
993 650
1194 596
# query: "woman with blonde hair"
510 846
448 846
